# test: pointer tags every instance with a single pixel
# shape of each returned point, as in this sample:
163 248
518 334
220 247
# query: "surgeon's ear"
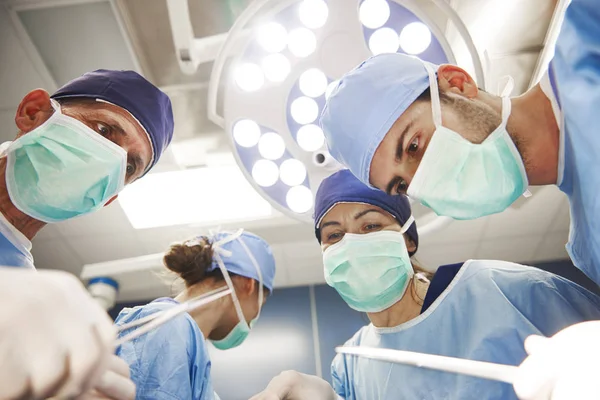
111 200
410 244
456 80
34 110
248 286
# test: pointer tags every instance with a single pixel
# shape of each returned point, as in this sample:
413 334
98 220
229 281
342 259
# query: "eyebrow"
395 180
330 223
137 160
365 212
400 143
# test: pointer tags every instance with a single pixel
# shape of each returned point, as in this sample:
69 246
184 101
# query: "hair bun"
191 263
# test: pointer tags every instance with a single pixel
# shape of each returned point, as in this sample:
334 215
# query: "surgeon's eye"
413 146
334 237
372 227
102 129
402 187
130 169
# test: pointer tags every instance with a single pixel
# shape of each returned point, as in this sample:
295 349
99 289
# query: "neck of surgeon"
532 126
404 310
210 316
27 225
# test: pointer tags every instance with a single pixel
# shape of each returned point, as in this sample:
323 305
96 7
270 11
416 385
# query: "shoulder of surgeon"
181 333
530 287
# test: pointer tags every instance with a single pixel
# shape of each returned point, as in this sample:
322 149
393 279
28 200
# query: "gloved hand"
562 367
56 340
115 383
292 385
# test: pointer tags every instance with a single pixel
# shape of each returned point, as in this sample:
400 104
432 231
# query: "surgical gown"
14 246
485 314
574 74
170 362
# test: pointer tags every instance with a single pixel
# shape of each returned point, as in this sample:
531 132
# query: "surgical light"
303 48
374 13
246 133
415 38
272 37
302 42
313 13
310 137
265 173
271 146
249 77
276 67
384 40
313 82
299 199
304 110
292 172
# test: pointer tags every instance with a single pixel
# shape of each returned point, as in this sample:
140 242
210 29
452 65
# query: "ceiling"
46 46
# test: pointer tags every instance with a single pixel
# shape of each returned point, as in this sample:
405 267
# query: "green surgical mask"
240 331
464 180
370 272
63 169
237 335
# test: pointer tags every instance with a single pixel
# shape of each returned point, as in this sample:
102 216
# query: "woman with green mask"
172 362
480 310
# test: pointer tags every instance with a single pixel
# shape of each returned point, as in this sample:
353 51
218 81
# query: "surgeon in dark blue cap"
479 310
74 152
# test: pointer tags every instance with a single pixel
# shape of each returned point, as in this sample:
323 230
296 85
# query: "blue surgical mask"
240 331
464 180
63 169
371 272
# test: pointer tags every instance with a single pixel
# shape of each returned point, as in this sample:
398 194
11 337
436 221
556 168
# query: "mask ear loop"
258 271
505 95
436 107
407 224
217 252
56 106
507 107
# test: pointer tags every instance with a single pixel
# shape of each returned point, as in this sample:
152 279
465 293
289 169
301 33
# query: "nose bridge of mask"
346 248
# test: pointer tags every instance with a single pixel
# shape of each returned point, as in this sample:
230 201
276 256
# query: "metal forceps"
157 319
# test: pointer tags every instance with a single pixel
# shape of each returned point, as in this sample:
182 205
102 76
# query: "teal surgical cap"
366 103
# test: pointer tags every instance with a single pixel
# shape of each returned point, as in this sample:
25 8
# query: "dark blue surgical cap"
128 90
343 187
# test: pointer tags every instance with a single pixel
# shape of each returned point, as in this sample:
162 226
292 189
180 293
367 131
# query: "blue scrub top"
14 247
170 362
484 314
574 74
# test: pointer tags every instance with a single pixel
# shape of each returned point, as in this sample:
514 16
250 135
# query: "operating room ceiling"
44 43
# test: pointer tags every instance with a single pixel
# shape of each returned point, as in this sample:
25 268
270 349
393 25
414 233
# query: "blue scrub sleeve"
339 380
167 363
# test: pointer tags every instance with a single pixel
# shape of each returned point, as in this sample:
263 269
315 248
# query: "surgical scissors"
157 319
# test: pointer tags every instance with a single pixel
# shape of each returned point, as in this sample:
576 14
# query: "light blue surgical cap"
240 263
366 103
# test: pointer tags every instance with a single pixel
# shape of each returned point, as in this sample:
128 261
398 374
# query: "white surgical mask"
464 180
